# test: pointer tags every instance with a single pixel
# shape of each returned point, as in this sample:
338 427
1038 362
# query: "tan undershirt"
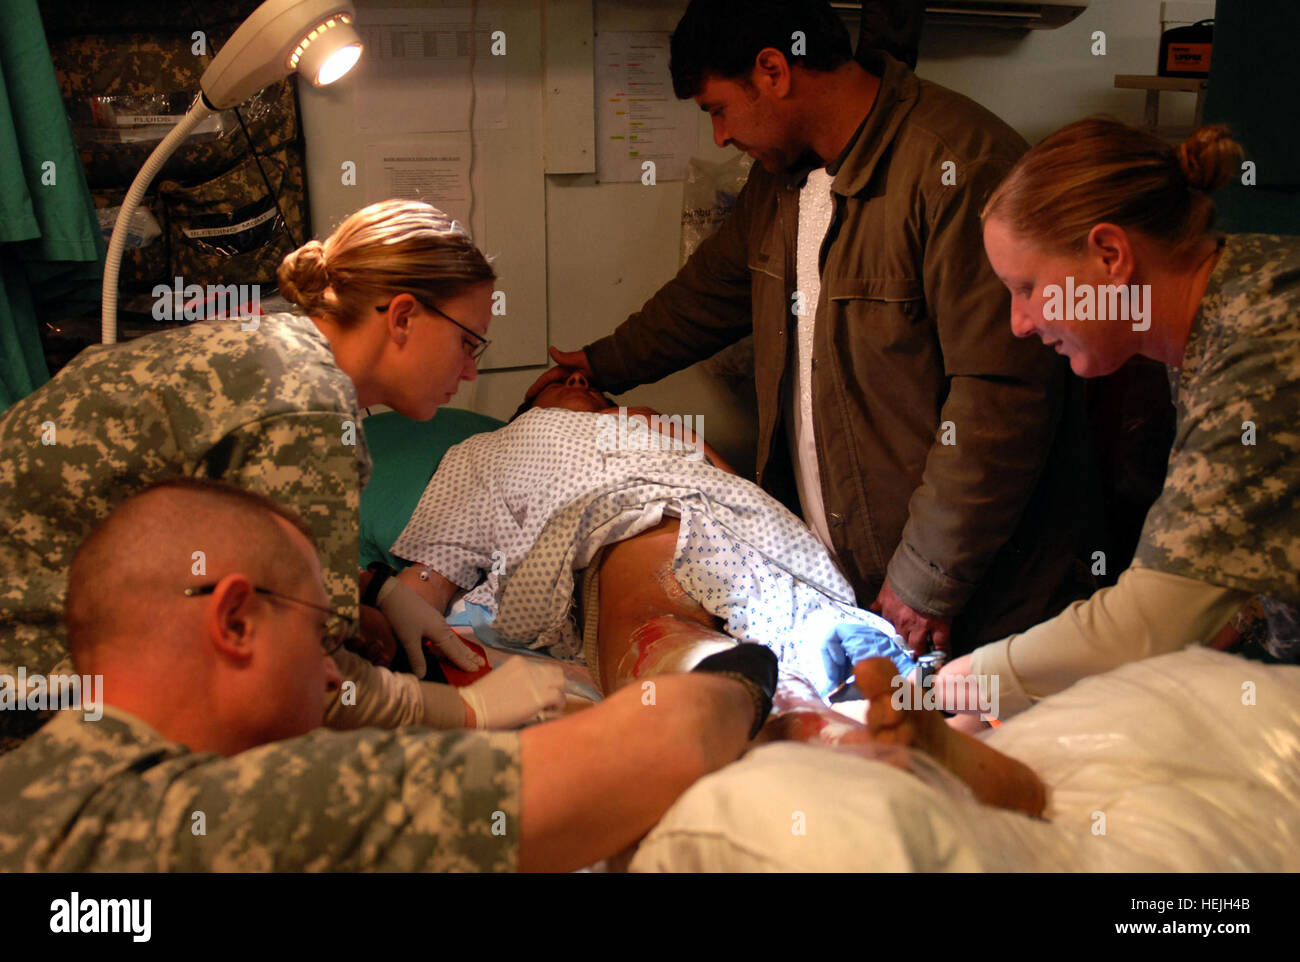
1146 613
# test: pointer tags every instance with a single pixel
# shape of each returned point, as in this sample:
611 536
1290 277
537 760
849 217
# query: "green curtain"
51 248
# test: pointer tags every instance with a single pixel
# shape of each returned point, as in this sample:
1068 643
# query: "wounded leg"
994 778
799 714
648 624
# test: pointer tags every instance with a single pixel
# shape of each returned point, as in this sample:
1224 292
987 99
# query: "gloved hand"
414 619
515 693
850 643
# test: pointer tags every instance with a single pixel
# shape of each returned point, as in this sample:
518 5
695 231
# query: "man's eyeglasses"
473 349
338 628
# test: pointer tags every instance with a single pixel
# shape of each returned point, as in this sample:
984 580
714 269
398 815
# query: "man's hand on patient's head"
572 390
567 361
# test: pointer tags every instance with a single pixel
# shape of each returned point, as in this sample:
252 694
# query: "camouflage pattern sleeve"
316 464
112 795
263 406
1229 513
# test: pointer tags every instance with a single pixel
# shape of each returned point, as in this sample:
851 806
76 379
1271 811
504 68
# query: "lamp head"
315 37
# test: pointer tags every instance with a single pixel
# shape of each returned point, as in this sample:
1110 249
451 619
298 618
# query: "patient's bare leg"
996 779
648 624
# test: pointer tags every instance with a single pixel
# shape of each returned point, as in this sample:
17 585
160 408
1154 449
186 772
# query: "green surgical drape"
51 248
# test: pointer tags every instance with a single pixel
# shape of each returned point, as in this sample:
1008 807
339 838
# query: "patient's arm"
437 590
715 458
595 782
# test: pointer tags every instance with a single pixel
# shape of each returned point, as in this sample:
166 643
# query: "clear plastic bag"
708 196
1189 762
143 119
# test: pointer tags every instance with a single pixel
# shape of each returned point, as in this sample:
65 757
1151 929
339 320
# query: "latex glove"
851 643
414 619
515 692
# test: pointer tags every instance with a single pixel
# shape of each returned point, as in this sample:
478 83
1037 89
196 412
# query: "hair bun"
1209 158
303 275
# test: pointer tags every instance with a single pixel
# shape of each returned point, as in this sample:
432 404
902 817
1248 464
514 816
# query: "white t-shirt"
815 208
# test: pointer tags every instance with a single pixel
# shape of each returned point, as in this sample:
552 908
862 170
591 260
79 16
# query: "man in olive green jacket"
942 459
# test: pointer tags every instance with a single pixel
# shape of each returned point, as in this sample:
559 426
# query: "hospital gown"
511 515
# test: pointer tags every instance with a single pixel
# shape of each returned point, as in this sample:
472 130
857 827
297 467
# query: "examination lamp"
314 37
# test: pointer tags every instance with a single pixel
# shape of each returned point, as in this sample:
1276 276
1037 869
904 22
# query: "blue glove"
850 643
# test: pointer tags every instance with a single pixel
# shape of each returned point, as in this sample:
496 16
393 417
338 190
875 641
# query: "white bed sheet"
1186 762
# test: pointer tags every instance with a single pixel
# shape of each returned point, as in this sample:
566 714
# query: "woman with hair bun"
404 299
397 303
1103 234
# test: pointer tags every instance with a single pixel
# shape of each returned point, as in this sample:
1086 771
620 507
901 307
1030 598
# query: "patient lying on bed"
676 559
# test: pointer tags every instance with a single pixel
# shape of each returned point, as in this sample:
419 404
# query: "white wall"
1040 80
610 246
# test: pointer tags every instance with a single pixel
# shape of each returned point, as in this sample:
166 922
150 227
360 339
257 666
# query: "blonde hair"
1100 170
382 250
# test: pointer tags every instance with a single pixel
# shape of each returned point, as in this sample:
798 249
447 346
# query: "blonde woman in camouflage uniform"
273 406
1105 204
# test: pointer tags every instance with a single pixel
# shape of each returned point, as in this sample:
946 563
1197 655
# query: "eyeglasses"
473 350
338 628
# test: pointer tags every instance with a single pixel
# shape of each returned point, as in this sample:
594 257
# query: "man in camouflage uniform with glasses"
207 756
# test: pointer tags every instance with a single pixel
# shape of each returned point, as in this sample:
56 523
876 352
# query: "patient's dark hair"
723 38
524 408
